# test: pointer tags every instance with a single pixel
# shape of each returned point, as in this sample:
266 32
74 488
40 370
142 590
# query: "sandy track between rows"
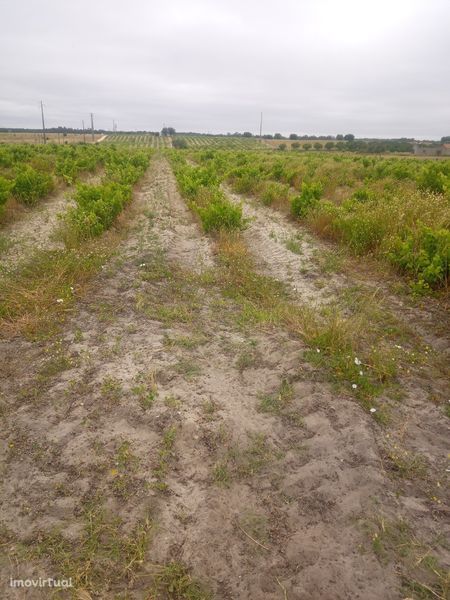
301 487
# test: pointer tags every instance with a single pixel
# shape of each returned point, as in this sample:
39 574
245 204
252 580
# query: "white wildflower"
318 350
354 386
357 361
361 373
372 410
60 300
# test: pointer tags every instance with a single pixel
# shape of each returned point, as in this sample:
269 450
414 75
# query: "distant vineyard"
139 139
193 141
209 141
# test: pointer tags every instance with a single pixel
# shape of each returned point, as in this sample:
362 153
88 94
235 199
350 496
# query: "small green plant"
165 455
176 583
111 389
31 185
306 200
6 187
294 243
277 402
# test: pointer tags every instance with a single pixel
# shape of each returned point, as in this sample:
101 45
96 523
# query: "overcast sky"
370 67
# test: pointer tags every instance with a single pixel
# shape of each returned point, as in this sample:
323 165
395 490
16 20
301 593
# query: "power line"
43 123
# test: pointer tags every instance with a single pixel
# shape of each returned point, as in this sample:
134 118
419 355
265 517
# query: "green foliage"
97 207
435 177
272 191
306 200
373 205
31 185
179 143
5 190
219 214
426 255
201 186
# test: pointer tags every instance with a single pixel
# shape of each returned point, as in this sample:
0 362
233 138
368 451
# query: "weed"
403 463
420 571
145 390
105 555
276 403
172 402
165 455
187 368
176 583
294 243
125 464
111 389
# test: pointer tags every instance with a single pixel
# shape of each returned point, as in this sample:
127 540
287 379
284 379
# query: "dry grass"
54 138
30 297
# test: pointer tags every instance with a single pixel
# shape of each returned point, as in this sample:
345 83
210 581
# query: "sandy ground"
286 520
270 237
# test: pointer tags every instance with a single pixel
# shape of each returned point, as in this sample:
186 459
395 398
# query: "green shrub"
219 214
179 143
362 232
31 185
273 190
425 254
5 190
306 200
434 177
97 207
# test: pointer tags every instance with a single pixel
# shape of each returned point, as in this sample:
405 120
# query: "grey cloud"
373 67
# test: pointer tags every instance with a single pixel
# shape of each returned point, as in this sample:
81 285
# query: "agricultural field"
136 139
52 138
211 141
224 371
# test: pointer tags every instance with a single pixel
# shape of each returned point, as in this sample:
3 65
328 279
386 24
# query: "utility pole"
260 128
92 126
43 123
84 133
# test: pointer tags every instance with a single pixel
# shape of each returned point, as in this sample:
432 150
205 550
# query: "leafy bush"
219 214
31 185
306 200
179 143
5 190
425 254
273 190
97 207
434 177
362 231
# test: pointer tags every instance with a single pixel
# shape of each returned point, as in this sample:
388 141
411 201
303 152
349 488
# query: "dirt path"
287 253
154 402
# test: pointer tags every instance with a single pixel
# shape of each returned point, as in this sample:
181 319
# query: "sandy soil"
270 237
258 505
